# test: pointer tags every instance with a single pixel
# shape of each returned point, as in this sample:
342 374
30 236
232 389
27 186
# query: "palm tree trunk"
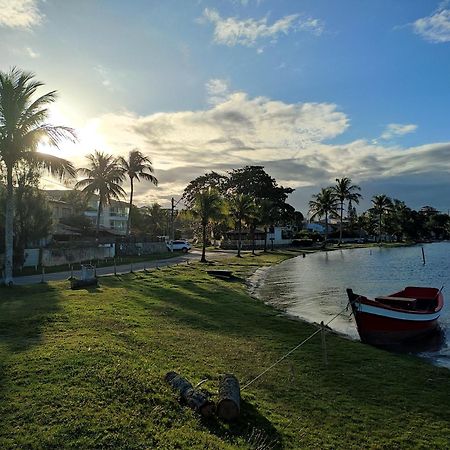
239 239
9 228
379 228
129 207
253 238
99 210
203 259
326 229
340 225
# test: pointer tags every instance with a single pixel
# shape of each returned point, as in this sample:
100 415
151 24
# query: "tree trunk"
195 399
340 225
130 206
9 228
99 210
379 229
239 239
253 238
228 406
203 259
326 229
265 239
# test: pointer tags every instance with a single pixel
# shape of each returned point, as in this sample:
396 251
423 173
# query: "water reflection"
313 288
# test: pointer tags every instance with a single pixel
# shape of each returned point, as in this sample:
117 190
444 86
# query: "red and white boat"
402 316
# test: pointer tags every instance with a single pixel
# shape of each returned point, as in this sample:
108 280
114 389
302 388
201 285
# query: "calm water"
313 288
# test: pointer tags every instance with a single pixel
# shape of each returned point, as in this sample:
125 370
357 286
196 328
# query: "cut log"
228 406
195 399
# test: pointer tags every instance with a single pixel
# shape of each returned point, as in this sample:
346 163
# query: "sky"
313 90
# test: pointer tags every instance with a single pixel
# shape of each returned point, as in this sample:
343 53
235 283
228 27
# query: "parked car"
182 245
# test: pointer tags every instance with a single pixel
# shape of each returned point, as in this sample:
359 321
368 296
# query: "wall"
70 255
60 256
31 257
142 248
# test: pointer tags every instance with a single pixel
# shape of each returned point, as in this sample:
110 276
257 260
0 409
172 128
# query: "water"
313 288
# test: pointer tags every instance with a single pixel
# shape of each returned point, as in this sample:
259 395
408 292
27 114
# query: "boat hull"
381 330
383 325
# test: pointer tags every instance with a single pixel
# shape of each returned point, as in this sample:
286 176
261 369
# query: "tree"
211 180
381 205
137 166
265 212
258 184
207 207
397 219
345 190
104 178
33 217
324 204
22 127
241 210
76 200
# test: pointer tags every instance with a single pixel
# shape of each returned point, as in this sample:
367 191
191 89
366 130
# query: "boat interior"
412 299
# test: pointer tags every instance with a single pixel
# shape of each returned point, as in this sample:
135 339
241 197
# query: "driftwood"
75 283
195 399
228 406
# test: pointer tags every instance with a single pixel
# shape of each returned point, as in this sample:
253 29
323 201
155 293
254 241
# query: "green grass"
84 369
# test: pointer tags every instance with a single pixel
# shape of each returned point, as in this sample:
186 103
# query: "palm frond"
59 167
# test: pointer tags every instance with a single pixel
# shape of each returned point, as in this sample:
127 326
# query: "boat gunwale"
376 304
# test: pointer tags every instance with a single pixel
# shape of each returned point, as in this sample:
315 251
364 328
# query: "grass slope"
84 369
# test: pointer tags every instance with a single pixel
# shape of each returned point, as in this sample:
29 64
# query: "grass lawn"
84 369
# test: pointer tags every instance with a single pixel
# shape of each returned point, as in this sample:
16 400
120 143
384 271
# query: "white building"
113 217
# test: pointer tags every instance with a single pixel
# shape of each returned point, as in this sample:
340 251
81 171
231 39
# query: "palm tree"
345 190
381 205
208 207
324 204
266 211
22 127
242 209
104 177
136 167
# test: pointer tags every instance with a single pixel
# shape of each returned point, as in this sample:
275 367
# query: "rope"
293 349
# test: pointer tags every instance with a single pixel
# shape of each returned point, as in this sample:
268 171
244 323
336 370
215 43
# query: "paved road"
194 255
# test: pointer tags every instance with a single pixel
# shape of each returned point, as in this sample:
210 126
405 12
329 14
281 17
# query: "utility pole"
172 221
172 225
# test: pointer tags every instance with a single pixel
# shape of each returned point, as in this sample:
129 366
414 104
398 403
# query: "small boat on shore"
403 316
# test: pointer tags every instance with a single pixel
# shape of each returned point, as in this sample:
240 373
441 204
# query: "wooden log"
195 399
228 406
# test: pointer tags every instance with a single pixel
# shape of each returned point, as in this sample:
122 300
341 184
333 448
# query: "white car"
182 245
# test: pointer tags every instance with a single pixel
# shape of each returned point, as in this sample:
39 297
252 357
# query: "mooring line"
293 349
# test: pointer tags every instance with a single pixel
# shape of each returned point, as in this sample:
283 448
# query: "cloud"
248 32
434 28
291 140
397 129
238 130
314 26
20 13
217 90
104 76
31 53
